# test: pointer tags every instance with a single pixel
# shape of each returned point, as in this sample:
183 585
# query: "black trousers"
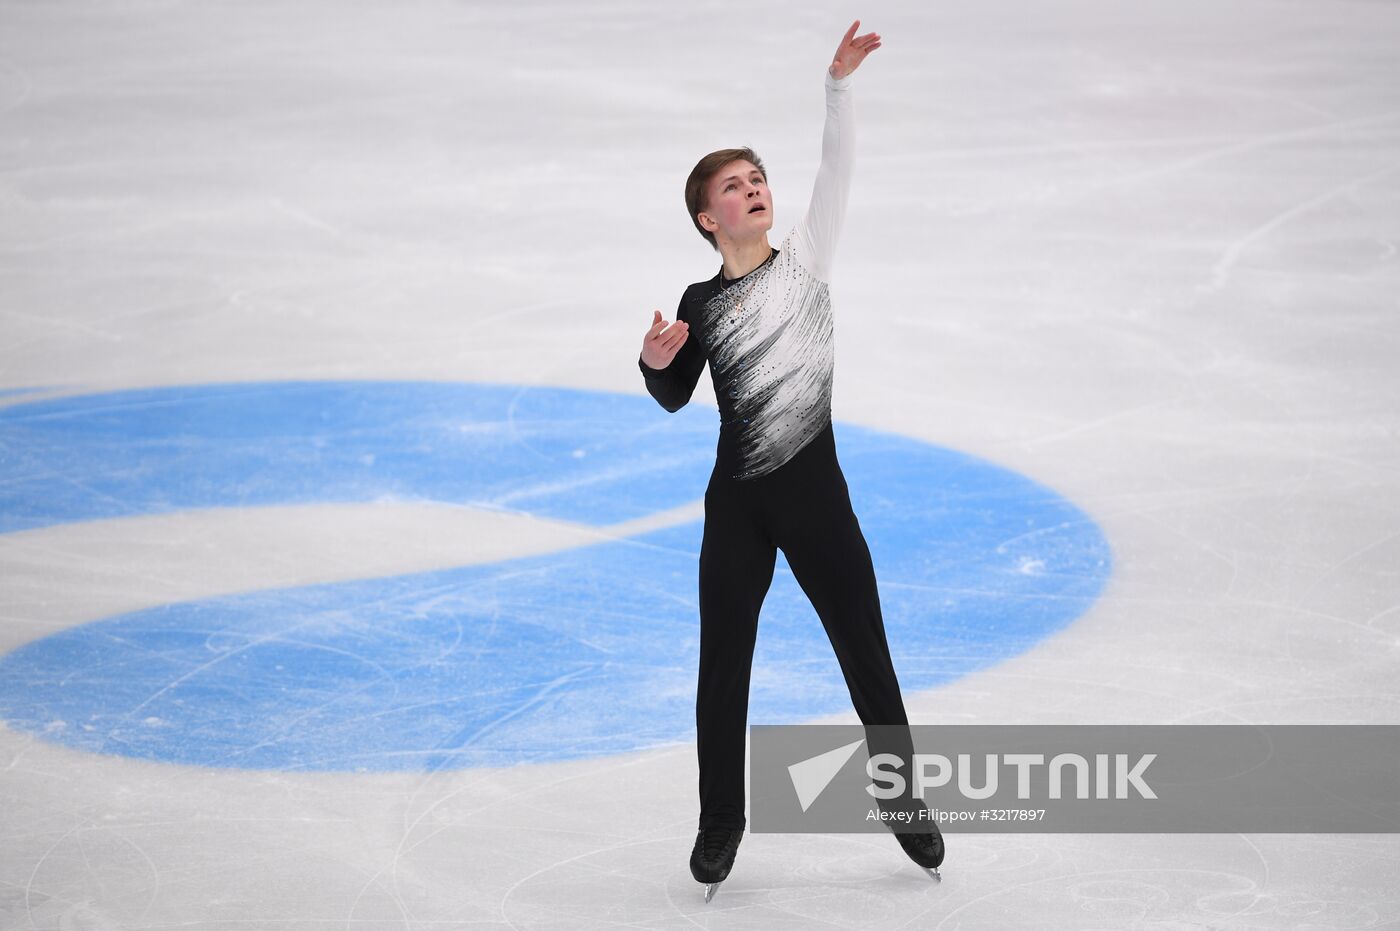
804 509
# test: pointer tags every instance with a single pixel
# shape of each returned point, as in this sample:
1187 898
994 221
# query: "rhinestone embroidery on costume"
772 348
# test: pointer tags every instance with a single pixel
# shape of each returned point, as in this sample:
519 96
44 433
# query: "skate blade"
710 891
933 874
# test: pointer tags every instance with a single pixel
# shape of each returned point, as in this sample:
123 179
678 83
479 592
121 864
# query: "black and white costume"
776 483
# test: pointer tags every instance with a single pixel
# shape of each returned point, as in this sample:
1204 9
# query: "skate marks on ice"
1220 272
997 881
568 628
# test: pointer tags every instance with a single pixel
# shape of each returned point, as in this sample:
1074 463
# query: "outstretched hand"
852 51
663 341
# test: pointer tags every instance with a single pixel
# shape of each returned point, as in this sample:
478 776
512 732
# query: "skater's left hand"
852 51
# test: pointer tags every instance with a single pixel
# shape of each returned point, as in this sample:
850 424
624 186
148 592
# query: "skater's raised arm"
820 228
671 361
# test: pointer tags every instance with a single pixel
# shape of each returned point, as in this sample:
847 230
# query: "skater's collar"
726 280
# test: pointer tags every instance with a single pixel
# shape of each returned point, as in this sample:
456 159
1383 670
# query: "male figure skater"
764 325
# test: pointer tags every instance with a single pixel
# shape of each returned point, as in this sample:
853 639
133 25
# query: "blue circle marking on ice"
570 654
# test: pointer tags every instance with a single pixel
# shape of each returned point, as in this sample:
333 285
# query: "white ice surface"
1143 253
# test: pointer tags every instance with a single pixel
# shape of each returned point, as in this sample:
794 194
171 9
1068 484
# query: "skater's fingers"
670 340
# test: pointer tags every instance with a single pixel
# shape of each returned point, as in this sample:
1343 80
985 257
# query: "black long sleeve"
673 385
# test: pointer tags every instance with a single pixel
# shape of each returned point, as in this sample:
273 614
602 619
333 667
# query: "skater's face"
740 204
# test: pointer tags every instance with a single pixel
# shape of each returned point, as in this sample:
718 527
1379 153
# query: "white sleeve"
821 226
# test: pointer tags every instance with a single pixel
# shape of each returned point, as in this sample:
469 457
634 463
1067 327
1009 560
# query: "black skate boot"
923 847
713 856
